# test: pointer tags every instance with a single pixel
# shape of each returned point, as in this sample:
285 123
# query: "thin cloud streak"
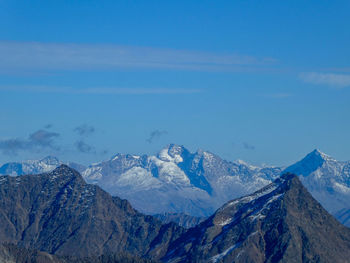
156 135
329 79
99 91
84 130
341 70
277 95
37 56
248 146
83 147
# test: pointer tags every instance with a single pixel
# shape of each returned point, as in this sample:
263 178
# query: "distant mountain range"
183 220
44 165
68 220
178 181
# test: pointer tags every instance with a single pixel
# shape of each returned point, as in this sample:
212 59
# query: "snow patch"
249 198
341 188
226 222
223 254
164 156
93 173
138 177
258 214
169 172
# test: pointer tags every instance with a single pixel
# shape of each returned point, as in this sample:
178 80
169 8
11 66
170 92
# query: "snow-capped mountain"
30 167
177 180
328 180
44 165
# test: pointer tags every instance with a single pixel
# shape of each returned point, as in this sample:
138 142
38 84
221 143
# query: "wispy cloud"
37 141
43 138
100 90
38 56
248 146
329 79
339 69
155 135
83 147
85 130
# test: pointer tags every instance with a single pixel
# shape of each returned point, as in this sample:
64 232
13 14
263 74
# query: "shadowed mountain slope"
59 213
280 223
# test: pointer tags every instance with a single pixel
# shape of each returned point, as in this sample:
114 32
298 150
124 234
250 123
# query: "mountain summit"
328 180
310 163
280 223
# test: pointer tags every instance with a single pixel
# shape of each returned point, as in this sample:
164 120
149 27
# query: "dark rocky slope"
280 223
59 213
10 253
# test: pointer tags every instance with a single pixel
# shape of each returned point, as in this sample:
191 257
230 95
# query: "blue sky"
266 82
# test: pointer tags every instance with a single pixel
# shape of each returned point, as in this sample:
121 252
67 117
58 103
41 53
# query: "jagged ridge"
281 222
59 213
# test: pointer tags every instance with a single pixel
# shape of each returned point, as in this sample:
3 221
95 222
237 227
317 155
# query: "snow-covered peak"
310 163
120 156
318 154
207 156
240 162
172 153
115 157
250 166
51 160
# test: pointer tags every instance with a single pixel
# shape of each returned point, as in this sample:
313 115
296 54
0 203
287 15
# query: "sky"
262 81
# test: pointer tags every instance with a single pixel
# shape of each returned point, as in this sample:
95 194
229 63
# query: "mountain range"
58 217
179 181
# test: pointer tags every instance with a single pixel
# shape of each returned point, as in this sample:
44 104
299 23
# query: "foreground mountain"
10 254
177 180
59 213
279 223
72 221
328 180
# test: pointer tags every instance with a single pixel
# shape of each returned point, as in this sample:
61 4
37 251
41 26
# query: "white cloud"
330 79
37 56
